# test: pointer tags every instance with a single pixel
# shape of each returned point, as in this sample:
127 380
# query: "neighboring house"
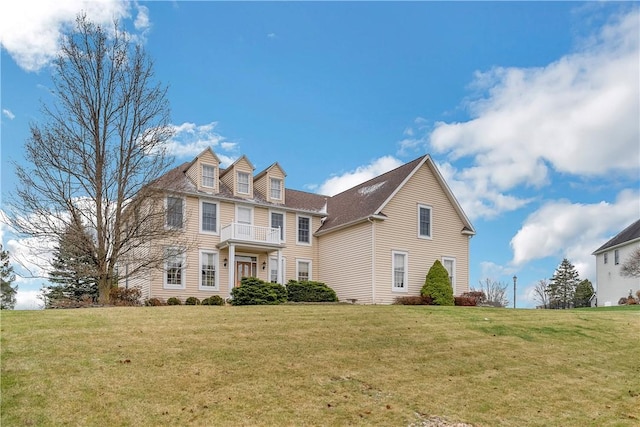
610 285
371 243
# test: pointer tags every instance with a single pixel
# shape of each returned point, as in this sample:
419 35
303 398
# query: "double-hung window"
304 230
208 176
606 257
616 257
175 209
208 263
303 270
277 221
209 217
243 183
399 266
424 221
276 188
450 265
174 268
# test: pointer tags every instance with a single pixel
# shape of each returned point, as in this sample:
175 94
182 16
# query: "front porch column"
232 267
280 272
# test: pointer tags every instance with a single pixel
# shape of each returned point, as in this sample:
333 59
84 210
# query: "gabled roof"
273 165
368 199
224 171
206 150
629 234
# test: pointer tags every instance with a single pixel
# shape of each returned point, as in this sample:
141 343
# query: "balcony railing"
250 233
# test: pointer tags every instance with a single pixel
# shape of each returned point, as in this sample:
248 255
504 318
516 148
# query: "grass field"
320 365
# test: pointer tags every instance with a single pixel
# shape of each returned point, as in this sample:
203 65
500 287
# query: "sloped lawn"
320 365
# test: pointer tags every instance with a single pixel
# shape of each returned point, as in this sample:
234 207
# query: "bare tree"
631 266
541 293
97 154
495 292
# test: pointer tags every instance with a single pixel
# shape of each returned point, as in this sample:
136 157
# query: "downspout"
373 260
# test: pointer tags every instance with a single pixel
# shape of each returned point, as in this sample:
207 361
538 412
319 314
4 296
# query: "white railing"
250 233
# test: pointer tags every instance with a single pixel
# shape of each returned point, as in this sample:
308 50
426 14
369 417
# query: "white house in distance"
610 285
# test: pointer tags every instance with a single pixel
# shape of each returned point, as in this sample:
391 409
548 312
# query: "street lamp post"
515 278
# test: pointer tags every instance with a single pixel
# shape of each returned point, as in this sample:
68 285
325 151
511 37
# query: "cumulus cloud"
30 32
573 230
8 114
191 139
577 116
28 300
339 183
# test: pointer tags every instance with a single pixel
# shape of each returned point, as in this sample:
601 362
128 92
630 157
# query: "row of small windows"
243 181
616 257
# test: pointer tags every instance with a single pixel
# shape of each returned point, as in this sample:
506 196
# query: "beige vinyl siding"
261 185
346 262
400 232
195 171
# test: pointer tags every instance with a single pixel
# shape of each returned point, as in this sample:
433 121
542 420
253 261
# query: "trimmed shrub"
310 292
192 301
437 285
253 291
174 301
213 300
154 302
125 296
413 300
465 301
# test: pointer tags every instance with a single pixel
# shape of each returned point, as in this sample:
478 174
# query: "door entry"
244 269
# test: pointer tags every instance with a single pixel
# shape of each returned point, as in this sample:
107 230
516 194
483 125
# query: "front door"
244 269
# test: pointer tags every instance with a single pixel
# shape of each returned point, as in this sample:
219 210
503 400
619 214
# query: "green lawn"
320 365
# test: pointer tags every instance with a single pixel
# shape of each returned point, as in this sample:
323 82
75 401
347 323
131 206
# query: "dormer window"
276 189
243 183
208 176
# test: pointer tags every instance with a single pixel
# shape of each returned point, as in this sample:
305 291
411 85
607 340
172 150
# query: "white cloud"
578 116
142 22
573 230
190 139
339 183
28 300
30 32
8 113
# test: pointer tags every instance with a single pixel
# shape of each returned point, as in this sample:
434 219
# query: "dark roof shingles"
632 232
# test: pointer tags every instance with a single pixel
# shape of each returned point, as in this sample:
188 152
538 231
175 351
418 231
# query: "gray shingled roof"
630 233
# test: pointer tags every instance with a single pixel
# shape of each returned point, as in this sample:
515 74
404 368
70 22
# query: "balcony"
250 234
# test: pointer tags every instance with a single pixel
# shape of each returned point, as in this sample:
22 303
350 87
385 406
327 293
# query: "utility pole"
515 278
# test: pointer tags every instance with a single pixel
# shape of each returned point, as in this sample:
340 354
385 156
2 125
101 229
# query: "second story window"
616 257
243 183
277 221
208 176
424 221
174 212
606 257
276 188
304 228
209 217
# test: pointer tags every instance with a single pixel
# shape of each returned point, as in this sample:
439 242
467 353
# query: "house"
371 243
610 285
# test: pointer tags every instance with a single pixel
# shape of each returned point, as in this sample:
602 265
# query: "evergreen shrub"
192 301
437 285
309 291
174 301
213 300
253 291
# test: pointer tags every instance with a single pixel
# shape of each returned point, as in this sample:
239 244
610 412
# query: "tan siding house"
371 243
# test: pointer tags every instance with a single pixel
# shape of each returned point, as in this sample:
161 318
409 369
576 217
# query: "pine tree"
584 292
8 292
563 285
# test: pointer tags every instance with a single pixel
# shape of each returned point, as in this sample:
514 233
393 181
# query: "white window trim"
405 289
217 267
203 231
453 275
421 236
214 175
298 242
271 179
308 261
605 258
248 182
183 255
616 257
282 267
244 207
284 223
166 212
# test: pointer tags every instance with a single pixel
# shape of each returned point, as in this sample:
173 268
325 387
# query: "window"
243 183
424 221
277 220
209 217
273 269
616 257
450 265
244 216
208 263
276 188
208 176
303 270
606 257
174 212
304 228
174 266
399 260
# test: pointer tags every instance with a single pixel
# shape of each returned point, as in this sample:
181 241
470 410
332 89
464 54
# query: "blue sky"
531 110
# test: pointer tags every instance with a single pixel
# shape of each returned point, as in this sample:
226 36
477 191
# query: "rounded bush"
437 285
154 302
174 301
192 301
213 300
253 291
310 292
